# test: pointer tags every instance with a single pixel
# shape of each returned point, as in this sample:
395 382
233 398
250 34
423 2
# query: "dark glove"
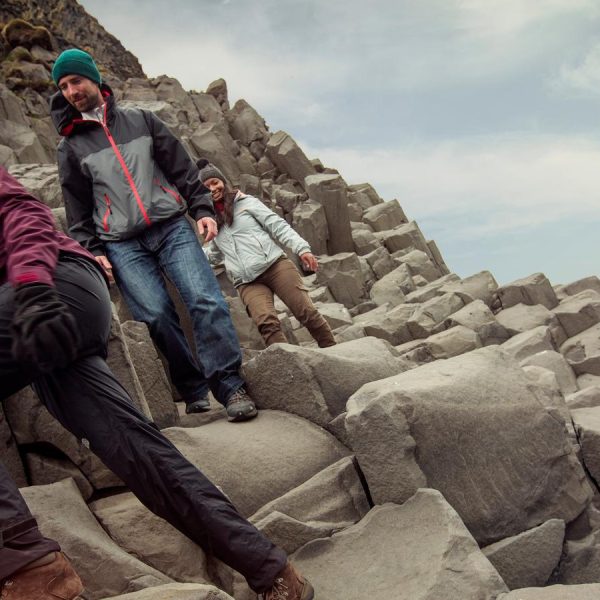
45 333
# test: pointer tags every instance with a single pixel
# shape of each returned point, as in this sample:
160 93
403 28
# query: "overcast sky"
482 117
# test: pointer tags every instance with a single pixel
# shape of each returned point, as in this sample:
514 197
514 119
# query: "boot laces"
279 590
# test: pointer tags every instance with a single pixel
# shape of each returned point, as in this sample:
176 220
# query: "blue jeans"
171 249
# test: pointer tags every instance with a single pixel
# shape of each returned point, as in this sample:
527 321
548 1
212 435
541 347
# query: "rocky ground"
447 448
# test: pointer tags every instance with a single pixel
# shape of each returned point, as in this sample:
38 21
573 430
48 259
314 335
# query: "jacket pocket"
168 191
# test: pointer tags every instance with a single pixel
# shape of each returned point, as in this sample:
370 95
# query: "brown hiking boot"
290 585
240 407
56 580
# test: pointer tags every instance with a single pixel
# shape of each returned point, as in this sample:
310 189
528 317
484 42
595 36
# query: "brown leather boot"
56 580
290 585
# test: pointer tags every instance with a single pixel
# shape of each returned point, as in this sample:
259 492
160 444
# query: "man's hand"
309 262
45 335
207 227
106 267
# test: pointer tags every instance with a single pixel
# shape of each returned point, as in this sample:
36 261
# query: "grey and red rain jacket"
122 176
29 241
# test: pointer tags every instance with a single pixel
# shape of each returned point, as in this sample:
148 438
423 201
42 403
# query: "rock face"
453 413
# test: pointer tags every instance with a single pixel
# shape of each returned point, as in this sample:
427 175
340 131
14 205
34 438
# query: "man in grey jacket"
127 183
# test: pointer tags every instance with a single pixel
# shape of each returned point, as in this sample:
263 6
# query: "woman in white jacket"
256 265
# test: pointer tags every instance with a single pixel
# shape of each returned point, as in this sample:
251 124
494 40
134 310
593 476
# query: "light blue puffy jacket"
246 248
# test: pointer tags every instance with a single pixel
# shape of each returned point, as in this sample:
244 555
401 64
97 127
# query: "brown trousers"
282 278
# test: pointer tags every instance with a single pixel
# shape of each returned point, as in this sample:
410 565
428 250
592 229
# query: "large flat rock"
475 428
259 460
418 551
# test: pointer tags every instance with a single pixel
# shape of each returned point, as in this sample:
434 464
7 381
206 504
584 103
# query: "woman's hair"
226 217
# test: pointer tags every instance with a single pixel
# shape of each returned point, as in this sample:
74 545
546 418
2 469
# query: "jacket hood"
65 117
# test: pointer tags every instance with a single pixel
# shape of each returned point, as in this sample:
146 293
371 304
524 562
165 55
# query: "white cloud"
585 76
485 185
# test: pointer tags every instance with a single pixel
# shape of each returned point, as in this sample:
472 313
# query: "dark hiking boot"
197 406
240 406
290 585
56 580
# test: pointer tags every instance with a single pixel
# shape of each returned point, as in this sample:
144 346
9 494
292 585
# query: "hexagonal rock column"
329 190
475 428
288 157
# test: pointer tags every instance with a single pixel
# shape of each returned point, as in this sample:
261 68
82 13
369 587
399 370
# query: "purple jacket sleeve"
28 239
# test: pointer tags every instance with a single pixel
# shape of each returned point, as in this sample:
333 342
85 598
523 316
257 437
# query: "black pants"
88 401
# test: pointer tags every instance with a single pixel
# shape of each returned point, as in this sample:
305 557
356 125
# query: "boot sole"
239 417
308 593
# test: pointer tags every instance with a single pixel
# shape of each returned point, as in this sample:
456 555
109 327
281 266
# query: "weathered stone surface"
587 425
579 312
480 286
404 237
315 383
455 341
529 343
275 442
151 374
385 216
389 324
163 110
364 194
105 569
310 223
31 423
451 425
364 241
330 192
150 539
586 398
12 107
430 314
287 156
555 592
218 89
246 329
390 288
176 591
121 364
524 317
245 124
582 351
9 453
381 262
528 559
342 274
23 141
419 263
535 289
587 283
555 362
332 500
337 315
418 551
478 317
44 470
208 108
213 142
41 181
430 289
580 563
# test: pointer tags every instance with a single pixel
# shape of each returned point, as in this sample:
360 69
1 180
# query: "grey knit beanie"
208 170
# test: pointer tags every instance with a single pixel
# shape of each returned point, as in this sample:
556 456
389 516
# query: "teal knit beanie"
75 62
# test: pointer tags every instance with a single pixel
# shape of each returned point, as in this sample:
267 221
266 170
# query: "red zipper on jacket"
168 191
107 213
125 169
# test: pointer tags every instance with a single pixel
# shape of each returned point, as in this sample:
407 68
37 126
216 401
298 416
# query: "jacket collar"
67 119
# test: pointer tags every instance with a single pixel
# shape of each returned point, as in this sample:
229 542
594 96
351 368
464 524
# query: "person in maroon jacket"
54 324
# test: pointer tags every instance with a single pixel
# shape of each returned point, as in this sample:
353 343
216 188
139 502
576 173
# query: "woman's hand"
209 225
106 267
309 262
